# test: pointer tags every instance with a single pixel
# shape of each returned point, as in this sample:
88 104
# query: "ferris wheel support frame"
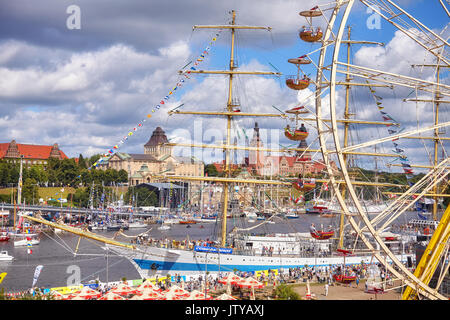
402 273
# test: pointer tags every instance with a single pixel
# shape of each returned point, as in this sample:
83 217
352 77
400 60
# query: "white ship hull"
160 261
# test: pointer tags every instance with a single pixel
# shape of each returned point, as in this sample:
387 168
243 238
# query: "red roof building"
31 153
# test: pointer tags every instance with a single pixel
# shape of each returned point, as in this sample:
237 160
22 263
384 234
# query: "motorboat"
4 256
26 242
137 224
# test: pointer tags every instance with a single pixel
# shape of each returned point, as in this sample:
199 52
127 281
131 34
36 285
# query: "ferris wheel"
336 77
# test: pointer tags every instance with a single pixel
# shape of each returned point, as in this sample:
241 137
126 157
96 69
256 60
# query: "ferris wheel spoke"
403 203
445 8
394 137
394 79
426 37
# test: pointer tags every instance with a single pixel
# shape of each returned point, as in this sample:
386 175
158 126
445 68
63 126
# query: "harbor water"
62 267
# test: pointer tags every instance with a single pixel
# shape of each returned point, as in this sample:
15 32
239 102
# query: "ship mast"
347 122
229 114
436 137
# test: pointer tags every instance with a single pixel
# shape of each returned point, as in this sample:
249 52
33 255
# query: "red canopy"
111 296
85 293
250 283
230 278
123 289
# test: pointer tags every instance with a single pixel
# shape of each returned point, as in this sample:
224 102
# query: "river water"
56 252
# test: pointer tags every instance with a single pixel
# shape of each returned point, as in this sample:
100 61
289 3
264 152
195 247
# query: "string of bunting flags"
390 121
163 101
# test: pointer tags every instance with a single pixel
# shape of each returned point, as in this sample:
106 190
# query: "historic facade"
260 164
32 154
156 159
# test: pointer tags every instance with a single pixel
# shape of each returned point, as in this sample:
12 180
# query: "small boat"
187 222
164 227
117 227
25 242
4 236
4 256
292 215
97 226
137 224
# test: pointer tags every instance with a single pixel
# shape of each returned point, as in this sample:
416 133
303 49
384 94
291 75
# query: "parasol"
85 293
147 284
149 294
251 283
112 296
230 279
123 289
197 295
176 291
225 296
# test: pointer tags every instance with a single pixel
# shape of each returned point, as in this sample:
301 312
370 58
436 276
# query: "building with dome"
156 159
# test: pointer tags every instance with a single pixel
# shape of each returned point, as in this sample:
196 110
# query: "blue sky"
86 89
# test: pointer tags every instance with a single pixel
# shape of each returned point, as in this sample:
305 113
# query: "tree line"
58 173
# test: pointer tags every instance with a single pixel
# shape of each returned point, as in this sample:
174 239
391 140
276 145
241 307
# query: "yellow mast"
229 114
436 139
227 151
346 127
347 120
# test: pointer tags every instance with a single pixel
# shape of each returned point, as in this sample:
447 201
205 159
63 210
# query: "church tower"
256 158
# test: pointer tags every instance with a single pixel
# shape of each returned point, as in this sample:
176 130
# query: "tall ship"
359 237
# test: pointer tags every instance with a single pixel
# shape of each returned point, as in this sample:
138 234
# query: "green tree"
82 162
122 176
211 170
30 191
285 292
143 197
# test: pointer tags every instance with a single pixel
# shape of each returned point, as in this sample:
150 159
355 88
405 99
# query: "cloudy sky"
85 88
